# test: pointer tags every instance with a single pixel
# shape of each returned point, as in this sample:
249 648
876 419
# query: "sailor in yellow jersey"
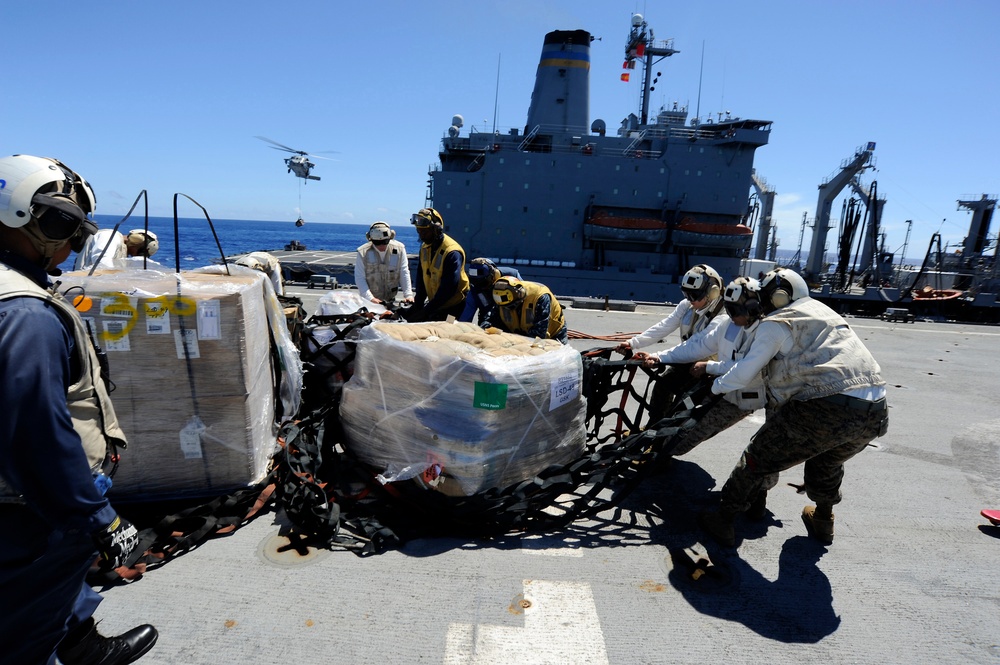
527 308
442 285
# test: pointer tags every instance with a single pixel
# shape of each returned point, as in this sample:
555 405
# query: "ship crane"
766 196
870 245
828 191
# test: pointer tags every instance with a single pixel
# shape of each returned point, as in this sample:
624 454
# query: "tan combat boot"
819 528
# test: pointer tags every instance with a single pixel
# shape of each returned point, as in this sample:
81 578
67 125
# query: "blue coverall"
46 546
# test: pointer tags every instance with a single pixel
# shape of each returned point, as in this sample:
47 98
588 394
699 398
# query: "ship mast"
642 45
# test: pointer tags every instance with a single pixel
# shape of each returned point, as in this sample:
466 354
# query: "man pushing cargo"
442 284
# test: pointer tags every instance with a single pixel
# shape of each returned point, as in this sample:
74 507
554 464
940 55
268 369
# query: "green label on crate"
491 396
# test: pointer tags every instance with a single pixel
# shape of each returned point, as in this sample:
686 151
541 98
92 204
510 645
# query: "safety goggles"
59 218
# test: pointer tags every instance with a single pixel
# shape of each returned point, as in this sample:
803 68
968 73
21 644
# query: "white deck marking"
560 626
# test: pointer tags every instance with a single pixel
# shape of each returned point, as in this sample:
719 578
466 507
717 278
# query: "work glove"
116 543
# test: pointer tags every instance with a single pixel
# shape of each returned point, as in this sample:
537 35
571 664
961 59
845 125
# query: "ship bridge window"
501 160
500 184
527 162
448 181
550 212
524 209
553 162
635 192
699 173
618 167
499 208
663 170
579 165
526 185
687 171
467 206
614 191
578 188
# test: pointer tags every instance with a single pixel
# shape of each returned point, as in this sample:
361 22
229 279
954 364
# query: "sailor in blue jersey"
483 273
442 284
58 434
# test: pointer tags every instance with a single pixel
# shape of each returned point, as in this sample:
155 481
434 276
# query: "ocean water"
197 246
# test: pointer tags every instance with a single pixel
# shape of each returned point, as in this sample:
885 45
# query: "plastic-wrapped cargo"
194 377
460 409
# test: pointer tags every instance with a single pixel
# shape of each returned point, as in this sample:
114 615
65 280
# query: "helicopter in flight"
298 163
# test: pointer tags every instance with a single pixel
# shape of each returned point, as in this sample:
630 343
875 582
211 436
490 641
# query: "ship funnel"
561 98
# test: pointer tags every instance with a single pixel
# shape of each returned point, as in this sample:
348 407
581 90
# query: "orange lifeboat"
929 294
703 234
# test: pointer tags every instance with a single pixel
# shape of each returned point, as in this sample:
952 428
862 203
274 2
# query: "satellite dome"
457 120
598 127
453 131
636 20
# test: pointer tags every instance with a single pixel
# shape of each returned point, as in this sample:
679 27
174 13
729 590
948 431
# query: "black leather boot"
85 646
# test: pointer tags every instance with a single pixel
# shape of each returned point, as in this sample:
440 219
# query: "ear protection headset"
508 290
380 231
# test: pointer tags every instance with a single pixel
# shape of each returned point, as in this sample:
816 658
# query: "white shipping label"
564 389
187 344
118 304
115 336
157 318
209 323
191 439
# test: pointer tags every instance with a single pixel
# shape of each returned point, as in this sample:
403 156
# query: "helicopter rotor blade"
280 146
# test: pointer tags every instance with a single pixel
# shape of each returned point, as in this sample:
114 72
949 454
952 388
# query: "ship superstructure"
588 213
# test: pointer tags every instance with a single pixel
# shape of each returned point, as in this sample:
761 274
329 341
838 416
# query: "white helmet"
780 287
45 191
380 232
145 243
702 281
742 298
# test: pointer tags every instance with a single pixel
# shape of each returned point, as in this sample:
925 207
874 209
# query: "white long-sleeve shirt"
659 331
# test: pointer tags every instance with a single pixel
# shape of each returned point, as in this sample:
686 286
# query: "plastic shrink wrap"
196 387
460 409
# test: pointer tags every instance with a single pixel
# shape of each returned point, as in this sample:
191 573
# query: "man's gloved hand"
116 543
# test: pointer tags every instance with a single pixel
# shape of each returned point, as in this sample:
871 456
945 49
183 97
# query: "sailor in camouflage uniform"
826 402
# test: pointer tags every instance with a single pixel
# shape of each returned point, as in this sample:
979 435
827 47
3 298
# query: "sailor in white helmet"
381 269
701 308
115 246
58 435
826 402
725 343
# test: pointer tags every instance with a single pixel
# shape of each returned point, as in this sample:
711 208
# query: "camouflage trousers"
721 416
822 433
674 381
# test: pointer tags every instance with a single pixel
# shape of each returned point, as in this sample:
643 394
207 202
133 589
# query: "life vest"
89 404
826 358
734 346
521 318
382 269
430 268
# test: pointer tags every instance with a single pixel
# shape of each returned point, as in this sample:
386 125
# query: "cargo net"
335 500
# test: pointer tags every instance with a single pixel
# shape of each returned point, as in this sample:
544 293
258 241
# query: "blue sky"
168 97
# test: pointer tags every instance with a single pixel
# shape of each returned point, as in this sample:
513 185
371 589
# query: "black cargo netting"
336 500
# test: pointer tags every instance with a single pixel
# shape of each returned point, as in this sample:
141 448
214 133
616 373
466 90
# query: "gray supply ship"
588 213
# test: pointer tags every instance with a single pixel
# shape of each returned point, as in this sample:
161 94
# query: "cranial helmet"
144 243
742 298
482 272
780 287
701 281
508 290
380 232
45 191
427 217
